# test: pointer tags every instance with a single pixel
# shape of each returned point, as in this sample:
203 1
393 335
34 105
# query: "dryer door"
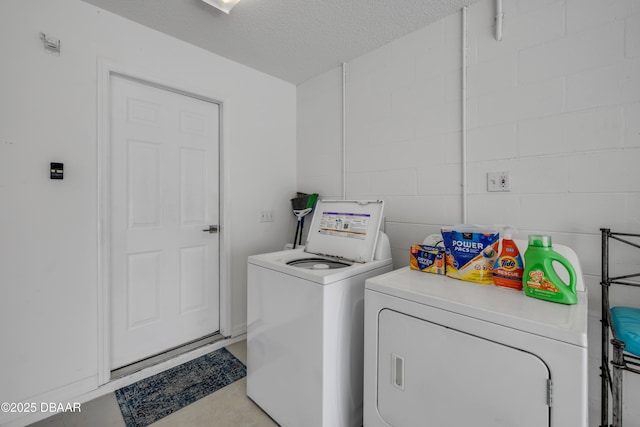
431 375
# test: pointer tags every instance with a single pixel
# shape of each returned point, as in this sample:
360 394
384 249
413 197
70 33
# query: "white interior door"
164 193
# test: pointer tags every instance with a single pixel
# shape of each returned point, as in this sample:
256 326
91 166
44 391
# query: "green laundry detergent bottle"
540 279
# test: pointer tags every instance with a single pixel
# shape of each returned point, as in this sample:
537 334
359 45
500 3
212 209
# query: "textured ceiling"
293 40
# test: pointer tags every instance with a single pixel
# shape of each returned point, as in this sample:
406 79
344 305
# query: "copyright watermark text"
42 407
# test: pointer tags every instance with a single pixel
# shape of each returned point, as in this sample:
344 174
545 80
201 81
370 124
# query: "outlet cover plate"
499 181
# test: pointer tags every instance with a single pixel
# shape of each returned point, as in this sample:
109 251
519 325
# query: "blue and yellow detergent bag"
470 252
429 259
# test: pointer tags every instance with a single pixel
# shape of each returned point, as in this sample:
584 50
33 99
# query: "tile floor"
227 407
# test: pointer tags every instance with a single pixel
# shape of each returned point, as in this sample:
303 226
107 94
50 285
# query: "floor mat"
153 398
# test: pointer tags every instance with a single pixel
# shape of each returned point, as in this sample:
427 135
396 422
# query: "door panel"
164 193
144 184
193 186
193 278
432 375
143 271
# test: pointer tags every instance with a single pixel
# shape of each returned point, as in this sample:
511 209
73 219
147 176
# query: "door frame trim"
105 70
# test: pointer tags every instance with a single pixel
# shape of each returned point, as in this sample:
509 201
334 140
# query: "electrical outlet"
499 181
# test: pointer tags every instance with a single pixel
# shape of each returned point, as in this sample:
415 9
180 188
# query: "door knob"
211 229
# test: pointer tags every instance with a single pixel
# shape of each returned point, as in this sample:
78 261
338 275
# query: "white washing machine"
448 353
305 310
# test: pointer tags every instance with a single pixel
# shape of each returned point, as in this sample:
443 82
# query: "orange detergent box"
429 259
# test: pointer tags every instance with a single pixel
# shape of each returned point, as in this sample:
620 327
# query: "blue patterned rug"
153 398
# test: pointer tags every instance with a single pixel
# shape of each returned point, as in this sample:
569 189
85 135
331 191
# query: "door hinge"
549 392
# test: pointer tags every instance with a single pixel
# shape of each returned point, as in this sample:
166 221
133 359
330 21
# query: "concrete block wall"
556 103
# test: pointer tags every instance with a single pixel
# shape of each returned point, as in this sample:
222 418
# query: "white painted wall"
48 229
557 103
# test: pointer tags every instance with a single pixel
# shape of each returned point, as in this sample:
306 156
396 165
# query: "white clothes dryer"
448 353
305 310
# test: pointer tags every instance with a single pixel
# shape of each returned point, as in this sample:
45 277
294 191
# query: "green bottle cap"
539 241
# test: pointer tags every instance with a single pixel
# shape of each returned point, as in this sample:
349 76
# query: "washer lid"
345 229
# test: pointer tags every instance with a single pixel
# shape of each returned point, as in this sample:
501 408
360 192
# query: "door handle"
211 229
397 371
